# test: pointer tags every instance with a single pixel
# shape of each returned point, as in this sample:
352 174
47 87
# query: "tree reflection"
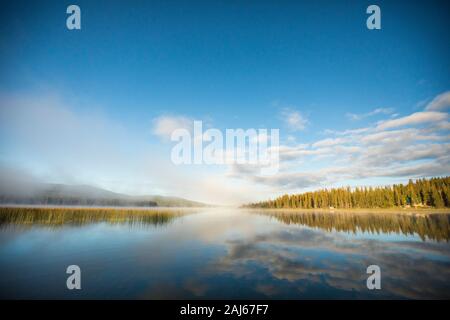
427 226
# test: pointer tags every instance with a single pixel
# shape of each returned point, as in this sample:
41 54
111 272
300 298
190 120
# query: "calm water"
224 253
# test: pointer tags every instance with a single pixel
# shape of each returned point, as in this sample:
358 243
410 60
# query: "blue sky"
233 64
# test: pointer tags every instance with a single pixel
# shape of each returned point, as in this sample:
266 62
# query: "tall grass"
81 216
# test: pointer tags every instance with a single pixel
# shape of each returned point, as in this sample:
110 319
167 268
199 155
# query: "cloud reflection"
301 262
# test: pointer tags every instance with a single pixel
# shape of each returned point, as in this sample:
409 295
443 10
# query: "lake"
223 253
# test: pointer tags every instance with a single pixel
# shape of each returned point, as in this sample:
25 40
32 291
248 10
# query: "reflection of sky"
388 237
219 254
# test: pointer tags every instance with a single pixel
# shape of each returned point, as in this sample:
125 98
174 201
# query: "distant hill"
164 201
83 195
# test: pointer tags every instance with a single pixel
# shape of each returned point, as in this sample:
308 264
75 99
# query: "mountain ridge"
63 194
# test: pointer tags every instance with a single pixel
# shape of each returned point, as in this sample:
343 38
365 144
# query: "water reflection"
58 217
228 253
428 226
325 255
309 264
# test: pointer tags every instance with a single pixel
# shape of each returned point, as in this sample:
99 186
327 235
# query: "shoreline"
357 210
86 207
409 211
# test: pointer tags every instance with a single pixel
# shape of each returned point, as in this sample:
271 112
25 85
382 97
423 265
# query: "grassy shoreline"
58 216
140 210
80 207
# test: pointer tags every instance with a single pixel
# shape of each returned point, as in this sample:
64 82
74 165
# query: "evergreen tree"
434 192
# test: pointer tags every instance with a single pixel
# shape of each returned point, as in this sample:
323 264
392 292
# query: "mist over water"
222 253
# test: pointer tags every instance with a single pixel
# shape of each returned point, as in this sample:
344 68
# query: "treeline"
434 192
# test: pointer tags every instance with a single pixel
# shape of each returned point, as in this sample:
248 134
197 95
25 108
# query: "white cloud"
88 147
355 116
163 126
45 139
440 102
281 181
46 128
416 145
329 142
413 119
294 120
